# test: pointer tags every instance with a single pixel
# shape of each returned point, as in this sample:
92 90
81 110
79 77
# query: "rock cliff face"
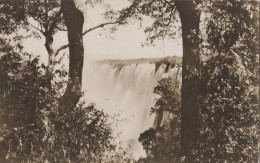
125 87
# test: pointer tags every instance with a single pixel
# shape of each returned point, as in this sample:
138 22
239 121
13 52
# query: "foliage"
234 25
82 135
169 95
229 101
17 14
163 14
162 144
33 128
229 113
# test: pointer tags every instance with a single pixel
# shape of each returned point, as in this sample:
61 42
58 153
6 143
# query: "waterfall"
127 90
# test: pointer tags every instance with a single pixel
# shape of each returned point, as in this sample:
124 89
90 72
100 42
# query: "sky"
125 43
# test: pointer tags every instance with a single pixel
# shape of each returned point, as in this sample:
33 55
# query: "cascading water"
128 91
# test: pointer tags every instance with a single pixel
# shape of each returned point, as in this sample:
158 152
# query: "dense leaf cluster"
162 143
229 112
17 13
230 83
32 126
164 22
234 25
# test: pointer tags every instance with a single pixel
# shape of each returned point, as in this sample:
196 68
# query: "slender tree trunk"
74 20
49 48
48 34
49 39
190 18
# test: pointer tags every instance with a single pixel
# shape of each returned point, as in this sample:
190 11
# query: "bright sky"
125 43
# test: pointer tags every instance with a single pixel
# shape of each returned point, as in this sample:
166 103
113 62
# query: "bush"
34 129
229 112
162 143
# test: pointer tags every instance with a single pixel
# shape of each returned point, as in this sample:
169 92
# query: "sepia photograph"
129 81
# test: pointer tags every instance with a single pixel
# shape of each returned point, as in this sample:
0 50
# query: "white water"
128 91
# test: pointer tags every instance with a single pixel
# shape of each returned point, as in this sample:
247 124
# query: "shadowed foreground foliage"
162 144
229 113
32 129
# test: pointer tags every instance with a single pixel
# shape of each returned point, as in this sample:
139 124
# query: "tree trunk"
48 34
74 20
190 18
49 48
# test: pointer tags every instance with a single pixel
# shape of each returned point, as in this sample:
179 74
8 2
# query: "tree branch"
49 31
87 31
42 32
61 48
170 20
101 26
53 23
